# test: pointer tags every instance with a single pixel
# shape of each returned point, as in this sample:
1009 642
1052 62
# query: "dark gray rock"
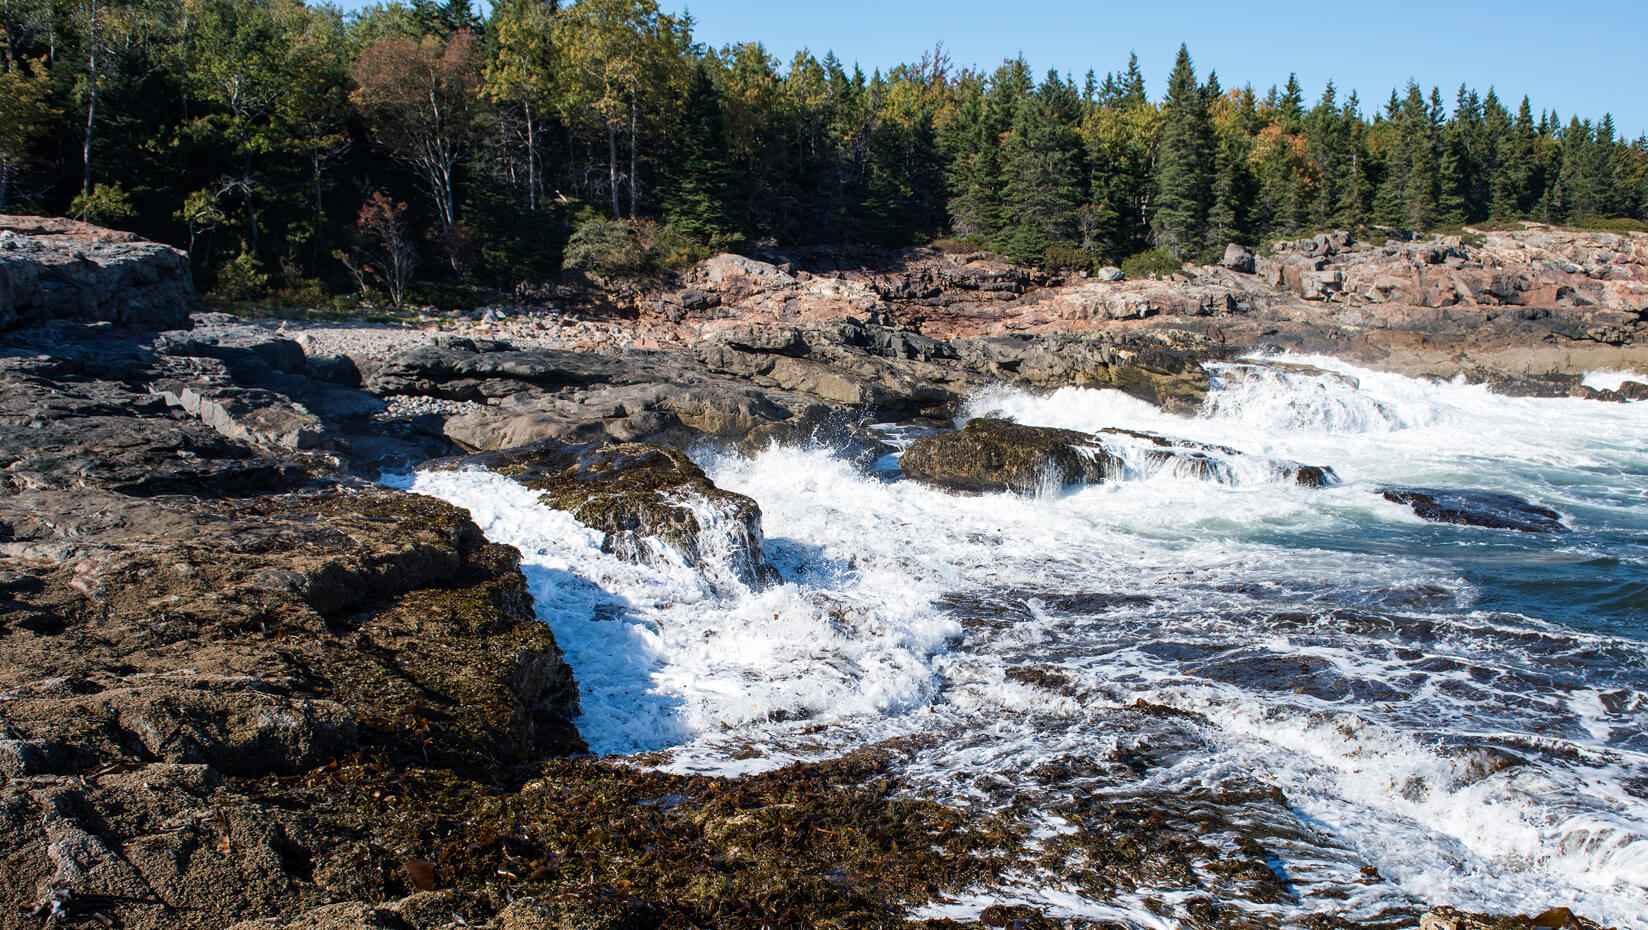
62 270
1470 507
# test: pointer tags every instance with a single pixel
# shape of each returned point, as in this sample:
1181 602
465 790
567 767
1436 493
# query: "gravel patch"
402 407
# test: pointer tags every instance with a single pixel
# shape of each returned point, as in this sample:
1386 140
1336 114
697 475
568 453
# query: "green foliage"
259 127
699 197
1042 169
1156 263
1184 183
240 279
1064 258
1615 224
25 118
449 298
635 250
106 203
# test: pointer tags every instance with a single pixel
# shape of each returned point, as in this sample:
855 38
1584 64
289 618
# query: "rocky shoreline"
244 684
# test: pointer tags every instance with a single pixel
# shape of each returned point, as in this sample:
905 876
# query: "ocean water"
1390 713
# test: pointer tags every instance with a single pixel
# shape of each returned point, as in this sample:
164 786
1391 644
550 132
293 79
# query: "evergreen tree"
1184 163
1234 186
973 150
1042 173
1356 191
700 188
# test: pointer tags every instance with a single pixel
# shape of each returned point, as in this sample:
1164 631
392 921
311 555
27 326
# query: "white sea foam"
1610 380
1332 644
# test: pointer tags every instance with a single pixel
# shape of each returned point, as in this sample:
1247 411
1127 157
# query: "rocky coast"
243 683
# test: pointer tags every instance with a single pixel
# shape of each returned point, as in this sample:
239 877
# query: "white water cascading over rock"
1395 712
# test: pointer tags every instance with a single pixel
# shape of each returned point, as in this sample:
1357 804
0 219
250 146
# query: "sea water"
1400 713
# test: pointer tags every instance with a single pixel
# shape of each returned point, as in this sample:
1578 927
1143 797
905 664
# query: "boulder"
988 455
640 496
63 270
1238 259
1110 273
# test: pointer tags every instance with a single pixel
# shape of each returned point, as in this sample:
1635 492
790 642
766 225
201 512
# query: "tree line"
290 145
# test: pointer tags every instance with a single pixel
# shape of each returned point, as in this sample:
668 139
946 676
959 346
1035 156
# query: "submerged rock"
1468 507
636 494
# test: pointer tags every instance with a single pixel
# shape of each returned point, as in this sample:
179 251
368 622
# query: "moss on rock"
990 454
634 493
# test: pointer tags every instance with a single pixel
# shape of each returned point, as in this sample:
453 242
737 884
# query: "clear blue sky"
1581 59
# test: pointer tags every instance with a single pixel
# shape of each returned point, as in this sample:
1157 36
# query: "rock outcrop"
184 613
1529 301
999 455
52 269
990 454
642 496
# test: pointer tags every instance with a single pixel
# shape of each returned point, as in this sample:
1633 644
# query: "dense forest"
292 146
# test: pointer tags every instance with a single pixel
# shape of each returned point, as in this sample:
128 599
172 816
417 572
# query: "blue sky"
1585 64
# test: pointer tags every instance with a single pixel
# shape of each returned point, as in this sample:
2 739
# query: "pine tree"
1184 163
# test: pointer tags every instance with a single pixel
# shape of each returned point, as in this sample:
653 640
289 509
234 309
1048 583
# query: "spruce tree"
1494 148
1356 193
973 155
1328 138
1234 186
1184 163
1042 173
701 181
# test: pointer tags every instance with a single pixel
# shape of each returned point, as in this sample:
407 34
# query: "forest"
295 150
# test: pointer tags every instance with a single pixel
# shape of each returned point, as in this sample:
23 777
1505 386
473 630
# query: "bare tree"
389 253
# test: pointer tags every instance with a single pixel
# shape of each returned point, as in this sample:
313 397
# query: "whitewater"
1399 713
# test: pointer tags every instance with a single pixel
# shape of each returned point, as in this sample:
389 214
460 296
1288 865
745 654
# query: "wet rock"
1315 476
988 455
639 495
1452 918
1468 507
1165 371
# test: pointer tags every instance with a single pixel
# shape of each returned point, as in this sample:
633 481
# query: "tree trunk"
612 167
246 192
91 103
634 188
531 160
